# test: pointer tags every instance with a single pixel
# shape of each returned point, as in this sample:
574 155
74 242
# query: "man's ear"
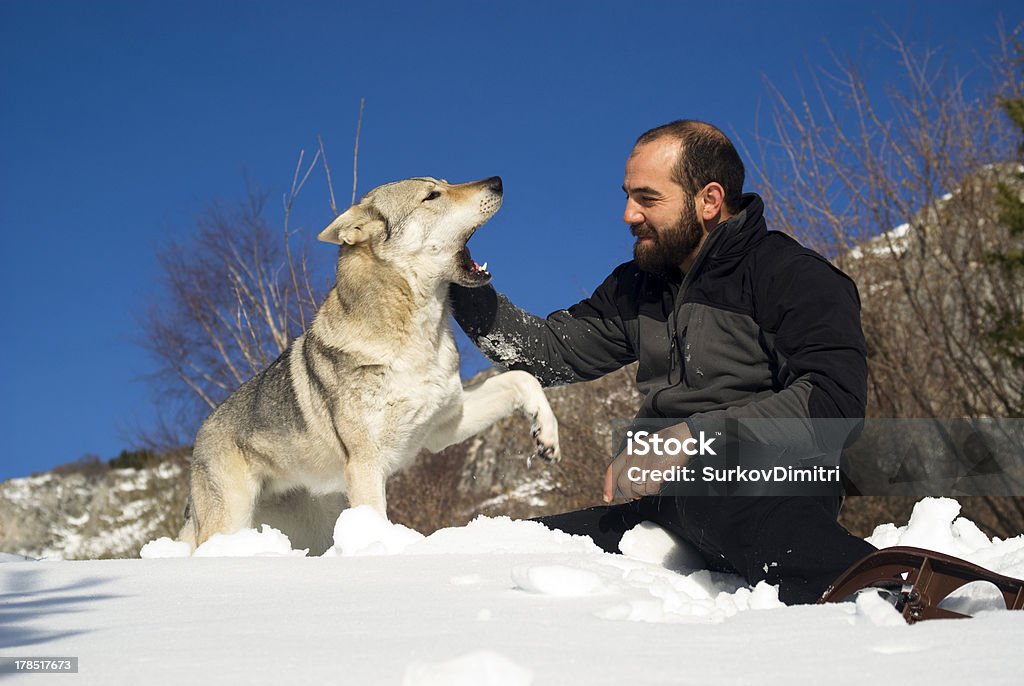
354 225
713 197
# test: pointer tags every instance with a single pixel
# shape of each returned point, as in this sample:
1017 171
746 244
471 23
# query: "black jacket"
760 328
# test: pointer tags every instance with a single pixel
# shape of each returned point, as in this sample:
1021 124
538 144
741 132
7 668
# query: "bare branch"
355 153
898 189
327 172
234 296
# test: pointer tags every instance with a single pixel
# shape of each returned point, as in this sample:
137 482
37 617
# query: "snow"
364 531
892 242
650 543
934 524
557 580
481 668
249 542
873 609
498 601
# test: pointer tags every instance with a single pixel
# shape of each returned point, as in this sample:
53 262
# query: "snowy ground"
495 602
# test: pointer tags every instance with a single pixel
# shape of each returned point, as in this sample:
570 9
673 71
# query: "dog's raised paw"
546 448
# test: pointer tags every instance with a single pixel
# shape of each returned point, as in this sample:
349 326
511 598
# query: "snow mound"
934 525
650 543
502 535
875 610
165 547
268 542
557 580
364 531
669 598
480 668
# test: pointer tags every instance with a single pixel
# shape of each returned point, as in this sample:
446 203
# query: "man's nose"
632 215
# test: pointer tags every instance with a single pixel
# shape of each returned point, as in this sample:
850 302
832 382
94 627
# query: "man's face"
659 212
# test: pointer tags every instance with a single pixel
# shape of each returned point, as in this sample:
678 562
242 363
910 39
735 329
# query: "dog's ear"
354 225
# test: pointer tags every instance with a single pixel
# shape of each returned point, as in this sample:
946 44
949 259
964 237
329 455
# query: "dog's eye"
434 195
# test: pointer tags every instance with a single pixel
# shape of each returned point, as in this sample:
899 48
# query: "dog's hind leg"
223 495
495 398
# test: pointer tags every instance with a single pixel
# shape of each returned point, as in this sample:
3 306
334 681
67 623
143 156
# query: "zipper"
673 353
677 302
671 358
674 349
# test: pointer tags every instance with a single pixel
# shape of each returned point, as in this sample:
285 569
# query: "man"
728 322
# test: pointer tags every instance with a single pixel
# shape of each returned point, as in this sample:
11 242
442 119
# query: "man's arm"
584 342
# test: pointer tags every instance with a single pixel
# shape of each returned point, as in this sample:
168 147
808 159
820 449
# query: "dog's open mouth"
473 270
476 274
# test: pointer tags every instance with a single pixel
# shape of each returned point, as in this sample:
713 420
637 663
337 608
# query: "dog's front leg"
365 486
496 398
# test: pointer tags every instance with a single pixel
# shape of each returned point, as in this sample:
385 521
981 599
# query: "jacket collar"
733 237
739 233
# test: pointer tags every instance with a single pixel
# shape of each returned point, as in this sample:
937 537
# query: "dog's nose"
494 183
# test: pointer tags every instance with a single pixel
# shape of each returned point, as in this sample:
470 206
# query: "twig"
289 200
327 171
355 154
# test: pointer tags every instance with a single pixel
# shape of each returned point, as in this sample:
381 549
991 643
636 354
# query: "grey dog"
374 379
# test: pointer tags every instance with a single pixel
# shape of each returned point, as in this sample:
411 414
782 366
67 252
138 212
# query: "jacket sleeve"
811 312
584 342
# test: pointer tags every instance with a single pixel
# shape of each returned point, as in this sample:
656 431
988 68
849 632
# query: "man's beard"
669 246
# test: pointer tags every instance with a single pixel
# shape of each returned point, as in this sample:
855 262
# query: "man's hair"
707 155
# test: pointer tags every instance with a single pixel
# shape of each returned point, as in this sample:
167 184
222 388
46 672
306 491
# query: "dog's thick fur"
371 382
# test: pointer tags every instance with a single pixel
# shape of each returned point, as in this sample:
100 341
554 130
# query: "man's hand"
630 475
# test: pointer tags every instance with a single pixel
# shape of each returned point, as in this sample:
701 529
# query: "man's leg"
605 525
794 542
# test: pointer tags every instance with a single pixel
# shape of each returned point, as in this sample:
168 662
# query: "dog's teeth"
483 267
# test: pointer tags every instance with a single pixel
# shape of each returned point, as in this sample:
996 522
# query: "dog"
372 381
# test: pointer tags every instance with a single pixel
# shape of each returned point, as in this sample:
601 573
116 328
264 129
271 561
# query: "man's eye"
434 195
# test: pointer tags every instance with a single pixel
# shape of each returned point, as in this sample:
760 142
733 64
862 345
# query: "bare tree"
900 191
899 187
237 293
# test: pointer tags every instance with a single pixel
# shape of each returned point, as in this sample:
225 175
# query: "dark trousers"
794 542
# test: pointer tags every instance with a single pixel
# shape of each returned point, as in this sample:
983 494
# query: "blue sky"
121 121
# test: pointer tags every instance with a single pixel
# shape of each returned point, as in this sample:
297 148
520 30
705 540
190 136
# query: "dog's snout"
494 183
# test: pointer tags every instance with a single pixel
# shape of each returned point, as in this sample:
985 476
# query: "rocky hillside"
91 513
